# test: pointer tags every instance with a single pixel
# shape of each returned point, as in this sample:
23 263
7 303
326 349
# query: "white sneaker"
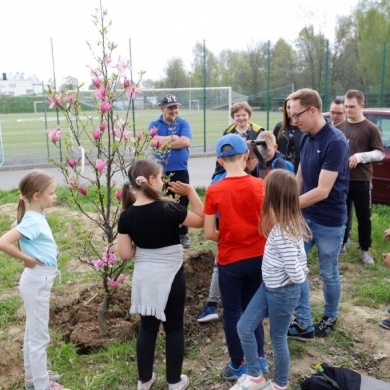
248 382
367 258
183 384
147 385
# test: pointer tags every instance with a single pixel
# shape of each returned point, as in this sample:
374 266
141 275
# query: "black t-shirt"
153 225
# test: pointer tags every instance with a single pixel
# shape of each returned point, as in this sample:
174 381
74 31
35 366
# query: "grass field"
24 137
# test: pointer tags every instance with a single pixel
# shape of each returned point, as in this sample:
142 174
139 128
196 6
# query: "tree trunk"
102 316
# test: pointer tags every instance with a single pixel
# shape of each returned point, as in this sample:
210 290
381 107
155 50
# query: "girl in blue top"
39 254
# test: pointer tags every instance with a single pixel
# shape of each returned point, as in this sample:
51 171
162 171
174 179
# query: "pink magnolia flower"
107 59
96 82
126 135
105 107
126 83
153 131
96 134
100 93
82 191
69 97
98 264
71 162
55 134
111 283
158 144
108 255
132 91
121 278
55 101
122 65
94 72
100 165
103 126
118 194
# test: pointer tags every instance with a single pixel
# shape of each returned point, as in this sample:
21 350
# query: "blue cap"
237 143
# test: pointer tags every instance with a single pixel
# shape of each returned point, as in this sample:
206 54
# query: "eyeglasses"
296 116
337 113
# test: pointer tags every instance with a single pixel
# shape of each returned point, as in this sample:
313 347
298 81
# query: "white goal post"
193 104
36 103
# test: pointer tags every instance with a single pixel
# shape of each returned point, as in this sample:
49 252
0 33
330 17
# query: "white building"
16 84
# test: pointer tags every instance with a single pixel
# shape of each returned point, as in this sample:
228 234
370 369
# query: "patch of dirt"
73 315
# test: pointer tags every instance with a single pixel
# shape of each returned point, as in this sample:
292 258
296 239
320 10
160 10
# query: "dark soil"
76 318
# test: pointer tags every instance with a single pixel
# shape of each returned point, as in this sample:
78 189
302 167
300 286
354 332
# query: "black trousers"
359 195
184 177
174 335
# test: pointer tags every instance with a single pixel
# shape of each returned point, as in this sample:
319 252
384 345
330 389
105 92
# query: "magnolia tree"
102 140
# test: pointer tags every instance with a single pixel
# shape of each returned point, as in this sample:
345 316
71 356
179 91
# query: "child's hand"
386 259
386 234
31 263
180 188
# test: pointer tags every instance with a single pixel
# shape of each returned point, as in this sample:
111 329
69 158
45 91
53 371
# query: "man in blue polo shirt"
175 132
322 177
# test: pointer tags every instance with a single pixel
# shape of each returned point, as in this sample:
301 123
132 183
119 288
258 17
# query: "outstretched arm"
195 217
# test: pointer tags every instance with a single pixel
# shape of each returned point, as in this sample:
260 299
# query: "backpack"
330 378
289 164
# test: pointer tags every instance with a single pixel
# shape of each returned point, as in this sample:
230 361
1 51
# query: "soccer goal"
193 105
39 106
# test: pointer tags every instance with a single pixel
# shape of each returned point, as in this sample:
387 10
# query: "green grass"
115 366
24 136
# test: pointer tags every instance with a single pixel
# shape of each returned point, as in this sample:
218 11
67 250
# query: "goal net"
39 106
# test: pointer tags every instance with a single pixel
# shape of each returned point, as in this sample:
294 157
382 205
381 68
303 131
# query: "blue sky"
158 30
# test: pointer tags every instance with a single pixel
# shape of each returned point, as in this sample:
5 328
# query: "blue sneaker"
263 365
209 313
231 374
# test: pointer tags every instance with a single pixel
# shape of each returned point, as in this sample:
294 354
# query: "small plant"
103 141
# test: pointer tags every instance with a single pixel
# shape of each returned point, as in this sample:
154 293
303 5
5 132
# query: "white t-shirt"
284 260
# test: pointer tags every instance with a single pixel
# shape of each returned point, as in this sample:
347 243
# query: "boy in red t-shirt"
240 244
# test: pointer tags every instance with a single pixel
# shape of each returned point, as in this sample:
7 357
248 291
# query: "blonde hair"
34 181
269 137
281 203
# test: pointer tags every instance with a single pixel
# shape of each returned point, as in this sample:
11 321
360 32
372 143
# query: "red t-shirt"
239 201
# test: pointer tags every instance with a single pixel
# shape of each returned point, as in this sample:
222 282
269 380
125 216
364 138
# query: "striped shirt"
284 260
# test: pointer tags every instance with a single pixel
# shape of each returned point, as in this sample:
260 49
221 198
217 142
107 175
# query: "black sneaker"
297 333
325 326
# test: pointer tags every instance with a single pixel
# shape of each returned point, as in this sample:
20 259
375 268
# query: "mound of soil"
76 317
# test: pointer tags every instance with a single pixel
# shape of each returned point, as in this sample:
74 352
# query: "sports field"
23 136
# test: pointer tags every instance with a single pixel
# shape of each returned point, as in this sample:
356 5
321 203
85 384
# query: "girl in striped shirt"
284 269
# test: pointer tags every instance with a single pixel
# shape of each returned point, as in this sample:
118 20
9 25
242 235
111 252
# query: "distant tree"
283 64
176 75
210 64
312 52
373 27
70 83
345 58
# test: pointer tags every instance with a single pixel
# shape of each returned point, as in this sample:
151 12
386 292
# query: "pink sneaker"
56 386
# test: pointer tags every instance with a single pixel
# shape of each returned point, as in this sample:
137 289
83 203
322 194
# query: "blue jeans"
328 240
238 283
278 304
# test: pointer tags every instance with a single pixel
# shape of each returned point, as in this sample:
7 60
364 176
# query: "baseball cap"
169 100
237 143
